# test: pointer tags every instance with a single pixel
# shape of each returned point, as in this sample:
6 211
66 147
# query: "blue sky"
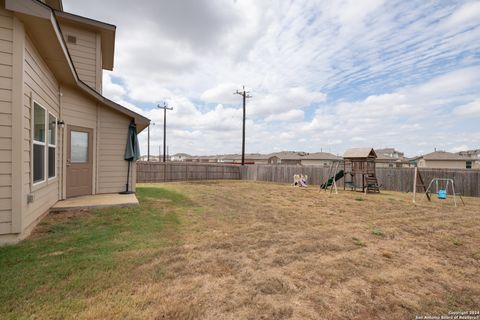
323 74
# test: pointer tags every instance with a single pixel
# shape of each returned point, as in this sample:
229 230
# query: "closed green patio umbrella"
132 151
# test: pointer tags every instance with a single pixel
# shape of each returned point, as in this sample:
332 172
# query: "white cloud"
469 109
466 14
294 115
222 93
397 73
462 147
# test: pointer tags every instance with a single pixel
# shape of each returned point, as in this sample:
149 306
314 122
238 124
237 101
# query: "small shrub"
378 232
358 242
358 199
457 242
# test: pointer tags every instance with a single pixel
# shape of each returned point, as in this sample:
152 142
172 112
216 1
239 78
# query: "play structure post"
453 191
415 184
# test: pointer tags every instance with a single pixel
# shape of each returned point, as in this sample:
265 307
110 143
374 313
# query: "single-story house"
250 158
59 136
273 160
444 160
319 158
286 157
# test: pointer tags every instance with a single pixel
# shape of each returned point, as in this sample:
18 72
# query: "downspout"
63 145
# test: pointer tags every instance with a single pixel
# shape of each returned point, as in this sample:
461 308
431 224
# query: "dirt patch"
56 218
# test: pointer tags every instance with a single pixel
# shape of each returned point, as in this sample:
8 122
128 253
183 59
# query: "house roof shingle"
321 156
444 155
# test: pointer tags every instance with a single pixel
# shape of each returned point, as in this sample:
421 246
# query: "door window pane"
38 163
38 123
79 147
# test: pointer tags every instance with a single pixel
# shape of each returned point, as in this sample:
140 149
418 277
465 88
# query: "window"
79 147
44 144
469 165
52 145
39 115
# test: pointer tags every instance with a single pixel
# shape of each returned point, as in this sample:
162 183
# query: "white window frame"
35 142
47 153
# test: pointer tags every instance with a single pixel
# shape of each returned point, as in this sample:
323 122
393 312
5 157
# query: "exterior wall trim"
18 201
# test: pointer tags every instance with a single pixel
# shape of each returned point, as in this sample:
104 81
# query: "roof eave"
107 33
141 121
40 19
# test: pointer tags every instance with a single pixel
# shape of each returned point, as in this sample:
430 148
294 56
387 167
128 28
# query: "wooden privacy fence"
467 182
185 171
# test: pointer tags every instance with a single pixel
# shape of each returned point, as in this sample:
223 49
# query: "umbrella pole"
128 181
128 175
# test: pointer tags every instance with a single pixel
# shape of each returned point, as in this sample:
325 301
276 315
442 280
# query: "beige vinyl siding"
440 164
78 110
6 45
41 86
112 168
84 54
316 162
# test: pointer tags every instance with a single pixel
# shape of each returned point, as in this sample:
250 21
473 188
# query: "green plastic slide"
337 177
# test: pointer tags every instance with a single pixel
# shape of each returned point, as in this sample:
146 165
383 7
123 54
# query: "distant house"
391 158
319 158
391 152
273 160
179 157
443 159
474 155
287 157
384 161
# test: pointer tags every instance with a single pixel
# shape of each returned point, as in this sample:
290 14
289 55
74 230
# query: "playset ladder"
372 183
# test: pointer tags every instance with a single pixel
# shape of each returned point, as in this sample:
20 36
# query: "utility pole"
148 143
245 95
165 108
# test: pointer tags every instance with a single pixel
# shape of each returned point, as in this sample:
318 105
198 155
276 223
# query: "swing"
442 193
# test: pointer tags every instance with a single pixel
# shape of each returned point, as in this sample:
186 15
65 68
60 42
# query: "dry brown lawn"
244 250
267 251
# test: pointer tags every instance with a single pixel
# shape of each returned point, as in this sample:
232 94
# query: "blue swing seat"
442 194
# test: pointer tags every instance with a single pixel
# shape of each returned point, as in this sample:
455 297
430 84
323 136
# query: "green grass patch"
358 242
75 257
377 232
457 242
359 199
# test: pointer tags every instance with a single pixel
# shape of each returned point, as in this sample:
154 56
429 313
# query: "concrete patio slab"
96 201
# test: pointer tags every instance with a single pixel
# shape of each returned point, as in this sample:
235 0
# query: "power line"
245 95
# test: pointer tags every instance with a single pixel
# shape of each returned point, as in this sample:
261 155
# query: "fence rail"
467 182
185 171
